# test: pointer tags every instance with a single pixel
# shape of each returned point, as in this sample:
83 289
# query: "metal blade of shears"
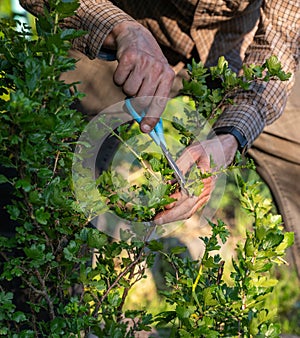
178 174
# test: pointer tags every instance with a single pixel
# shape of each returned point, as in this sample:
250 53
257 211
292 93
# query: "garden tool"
157 135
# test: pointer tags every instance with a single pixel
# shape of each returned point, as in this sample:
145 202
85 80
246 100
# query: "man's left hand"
221 150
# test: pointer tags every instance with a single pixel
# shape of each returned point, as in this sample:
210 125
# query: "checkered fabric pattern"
244 31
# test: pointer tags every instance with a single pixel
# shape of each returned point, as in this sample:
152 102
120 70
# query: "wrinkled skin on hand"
143 70
222 150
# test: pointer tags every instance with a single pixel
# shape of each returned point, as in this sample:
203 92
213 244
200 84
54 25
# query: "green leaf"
185 311
155 245
13 211
24 184
114 298
35 252
208 296
19 317
155 164
272 240
96 239
67 8
70 252
283 76
264 282
257 71
42 216
67 34
43 24
3 179
286 243
177 250
57 325
269 331
114 198
273 65
184 333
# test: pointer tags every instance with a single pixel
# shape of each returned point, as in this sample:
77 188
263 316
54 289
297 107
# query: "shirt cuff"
246 120
107 54
241 140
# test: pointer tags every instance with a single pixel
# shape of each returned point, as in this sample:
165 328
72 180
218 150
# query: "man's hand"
222 150
143 70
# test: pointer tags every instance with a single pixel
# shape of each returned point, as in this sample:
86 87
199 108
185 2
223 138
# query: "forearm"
98 18
254 109
277 34
35 7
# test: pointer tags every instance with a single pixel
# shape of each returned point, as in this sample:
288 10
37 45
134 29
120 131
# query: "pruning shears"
157 135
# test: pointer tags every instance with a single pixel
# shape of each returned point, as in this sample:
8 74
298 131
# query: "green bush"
49 258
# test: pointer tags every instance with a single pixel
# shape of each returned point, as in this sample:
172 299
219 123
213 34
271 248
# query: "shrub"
49 286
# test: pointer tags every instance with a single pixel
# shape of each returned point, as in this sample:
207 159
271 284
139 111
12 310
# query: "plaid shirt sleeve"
97 17
277 34
170 22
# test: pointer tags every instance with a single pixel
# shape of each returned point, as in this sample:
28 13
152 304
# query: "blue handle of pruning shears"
157 134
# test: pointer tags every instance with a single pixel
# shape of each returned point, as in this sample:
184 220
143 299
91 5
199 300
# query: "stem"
54 167
220 104
132 275
42 292
196 283
197 278
139 158
121 275
45 294
54 32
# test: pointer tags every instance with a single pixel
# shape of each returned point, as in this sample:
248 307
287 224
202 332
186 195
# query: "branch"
139 158
121 275
45 293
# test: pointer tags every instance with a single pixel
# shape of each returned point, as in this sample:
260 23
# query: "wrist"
240 138
230 146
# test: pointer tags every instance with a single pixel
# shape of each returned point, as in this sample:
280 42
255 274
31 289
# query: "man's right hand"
143 70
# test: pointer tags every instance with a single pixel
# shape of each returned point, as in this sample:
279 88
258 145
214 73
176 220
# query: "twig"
33 288
45 293
122 274
139 158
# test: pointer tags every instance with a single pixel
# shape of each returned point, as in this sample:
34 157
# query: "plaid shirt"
244 31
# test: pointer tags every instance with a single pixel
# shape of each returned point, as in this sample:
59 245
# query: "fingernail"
146 128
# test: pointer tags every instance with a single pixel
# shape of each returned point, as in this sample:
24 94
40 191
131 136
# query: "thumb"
190 156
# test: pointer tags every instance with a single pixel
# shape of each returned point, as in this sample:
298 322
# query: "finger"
126 64
132 84
185 207
177 213
141 83
159 101
183 212
151 81
199 205
185 162
141 104
190 157
154 111
179 196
